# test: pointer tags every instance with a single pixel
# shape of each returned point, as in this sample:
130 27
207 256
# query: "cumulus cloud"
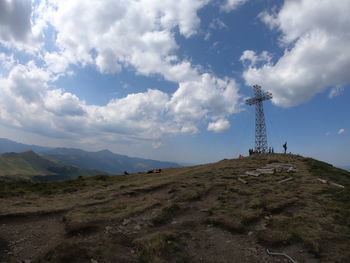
122 33
113 35
18 27
219 126
29 101
341 131
230 5
315 35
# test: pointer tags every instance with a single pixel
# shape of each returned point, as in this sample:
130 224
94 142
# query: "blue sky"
167 79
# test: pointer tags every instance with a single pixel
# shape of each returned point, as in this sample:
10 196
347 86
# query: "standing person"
285 147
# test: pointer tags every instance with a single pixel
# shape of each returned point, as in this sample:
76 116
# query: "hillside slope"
208 213
29 165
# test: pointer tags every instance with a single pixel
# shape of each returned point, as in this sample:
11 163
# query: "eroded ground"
193 214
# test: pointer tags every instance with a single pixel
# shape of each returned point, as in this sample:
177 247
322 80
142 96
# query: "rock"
336 185
322 181
108 228
93 261
250 233
253 173
137 227
125 222
266 170
26 261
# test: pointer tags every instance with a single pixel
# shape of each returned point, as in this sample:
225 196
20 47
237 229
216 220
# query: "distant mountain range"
32 166
104 160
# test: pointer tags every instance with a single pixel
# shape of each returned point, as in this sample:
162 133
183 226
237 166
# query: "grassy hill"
208 213
29 165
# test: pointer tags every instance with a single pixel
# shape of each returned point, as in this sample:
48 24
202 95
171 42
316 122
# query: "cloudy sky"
167 79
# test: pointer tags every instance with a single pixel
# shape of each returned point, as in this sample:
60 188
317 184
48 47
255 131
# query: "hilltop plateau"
219 212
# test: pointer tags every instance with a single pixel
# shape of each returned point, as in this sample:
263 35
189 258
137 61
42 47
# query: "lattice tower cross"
260 126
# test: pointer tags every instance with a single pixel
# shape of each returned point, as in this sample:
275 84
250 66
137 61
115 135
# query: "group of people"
271 150
252 151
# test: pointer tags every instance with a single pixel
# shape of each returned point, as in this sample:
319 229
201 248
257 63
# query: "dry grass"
301 212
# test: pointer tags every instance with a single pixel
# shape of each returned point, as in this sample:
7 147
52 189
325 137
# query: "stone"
93 261
137 227
250 233
322 181
336 185
266 170
253 173
108 228
125 222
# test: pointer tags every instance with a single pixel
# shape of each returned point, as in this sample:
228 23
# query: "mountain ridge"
103 160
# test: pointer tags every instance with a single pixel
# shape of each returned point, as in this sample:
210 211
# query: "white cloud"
122 33
335 91
19 28
206 96
341 131
219 126
230 5
328 133
30 102
317 54
215 24
56 63
112 35
250 58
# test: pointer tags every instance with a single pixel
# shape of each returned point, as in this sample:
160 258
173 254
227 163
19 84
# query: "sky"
168 80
